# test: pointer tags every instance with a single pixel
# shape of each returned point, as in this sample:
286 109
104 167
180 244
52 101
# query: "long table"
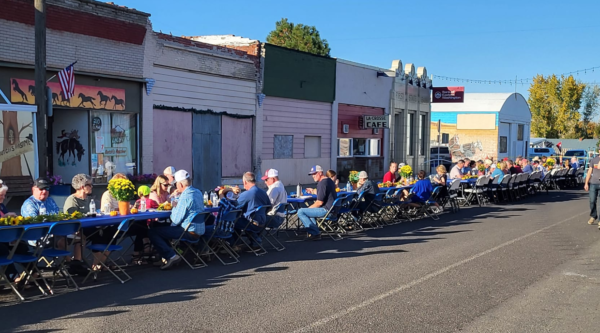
106 220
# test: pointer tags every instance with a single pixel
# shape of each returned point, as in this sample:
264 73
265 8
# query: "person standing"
592 185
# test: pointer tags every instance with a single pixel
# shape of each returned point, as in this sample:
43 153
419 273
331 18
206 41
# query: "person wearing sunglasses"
159 191
40 202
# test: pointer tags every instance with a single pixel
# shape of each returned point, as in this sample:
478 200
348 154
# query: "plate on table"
152 210
306 197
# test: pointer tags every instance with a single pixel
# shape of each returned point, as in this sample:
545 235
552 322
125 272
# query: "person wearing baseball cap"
252 221
369 188
277 195
40 202
170 174
190 203
326 195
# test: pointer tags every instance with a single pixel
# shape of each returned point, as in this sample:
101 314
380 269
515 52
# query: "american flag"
67 81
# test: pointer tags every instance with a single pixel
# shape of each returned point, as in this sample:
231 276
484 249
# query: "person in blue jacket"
422 191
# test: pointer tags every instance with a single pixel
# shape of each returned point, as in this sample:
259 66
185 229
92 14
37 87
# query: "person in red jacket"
392 175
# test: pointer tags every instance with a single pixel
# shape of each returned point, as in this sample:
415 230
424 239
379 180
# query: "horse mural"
18 90
70 146
86 99
118 101
103 98
467 150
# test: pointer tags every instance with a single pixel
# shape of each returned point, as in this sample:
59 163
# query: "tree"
298 37
555 104
591 103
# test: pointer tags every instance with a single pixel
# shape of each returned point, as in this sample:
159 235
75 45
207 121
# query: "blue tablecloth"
464 181
106 220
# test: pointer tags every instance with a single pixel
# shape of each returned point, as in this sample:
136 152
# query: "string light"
477 81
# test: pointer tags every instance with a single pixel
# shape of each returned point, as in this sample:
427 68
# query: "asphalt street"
525 267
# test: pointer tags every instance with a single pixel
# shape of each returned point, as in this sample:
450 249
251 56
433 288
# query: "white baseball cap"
181 175
169 171
270 174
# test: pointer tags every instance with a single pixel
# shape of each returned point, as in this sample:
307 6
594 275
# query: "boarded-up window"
520 130
503 145
312 146
475 121
283 146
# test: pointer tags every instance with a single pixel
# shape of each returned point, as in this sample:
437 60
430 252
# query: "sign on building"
369 122
448 95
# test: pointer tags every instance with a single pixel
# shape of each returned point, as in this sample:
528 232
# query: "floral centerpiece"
353 178
20 220
550 162
406 172
123 191
481 169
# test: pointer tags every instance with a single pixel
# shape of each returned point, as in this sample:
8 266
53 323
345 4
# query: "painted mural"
475 144
89 97
17 157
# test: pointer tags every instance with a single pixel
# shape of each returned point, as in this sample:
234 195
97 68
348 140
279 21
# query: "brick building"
96 131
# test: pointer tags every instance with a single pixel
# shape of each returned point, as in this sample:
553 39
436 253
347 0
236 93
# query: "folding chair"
329 223
270 233
478 190
61 229
191 245
453 195
114 248
493 188
38 234
426 207
216 236
9 235
252 235
372 214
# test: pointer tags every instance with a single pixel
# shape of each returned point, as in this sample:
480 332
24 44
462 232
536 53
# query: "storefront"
362 119
95 132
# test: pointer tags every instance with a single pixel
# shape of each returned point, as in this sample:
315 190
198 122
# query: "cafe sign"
369 122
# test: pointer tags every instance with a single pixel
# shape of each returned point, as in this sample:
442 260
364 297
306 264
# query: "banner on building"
448 95
89 97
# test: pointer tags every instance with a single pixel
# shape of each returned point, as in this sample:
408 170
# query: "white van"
539 152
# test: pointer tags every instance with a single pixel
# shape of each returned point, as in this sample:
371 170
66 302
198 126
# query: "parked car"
581 155
440 156
539 152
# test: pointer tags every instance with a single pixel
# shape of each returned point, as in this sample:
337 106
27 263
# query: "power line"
510 82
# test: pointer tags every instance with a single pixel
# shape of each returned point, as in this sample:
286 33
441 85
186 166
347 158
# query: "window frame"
500 150
368 144
319 148
277 157
410 141
520 132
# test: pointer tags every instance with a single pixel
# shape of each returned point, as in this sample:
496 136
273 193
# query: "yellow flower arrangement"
406 171
122 189
550 162
353 177
20 220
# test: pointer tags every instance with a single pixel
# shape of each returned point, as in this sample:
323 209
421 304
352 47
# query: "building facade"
486 125
410 116
296 125
201 109
98 128
361 91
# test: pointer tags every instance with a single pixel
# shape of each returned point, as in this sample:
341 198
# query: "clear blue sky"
468 39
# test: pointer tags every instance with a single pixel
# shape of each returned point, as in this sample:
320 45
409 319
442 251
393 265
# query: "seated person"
277 195
326 195
40 202
370 189
441 179
422 191
11 272
467 168
159 192
248 202
456 172
108 200
392 175
526 166
330 174
190 202
144 194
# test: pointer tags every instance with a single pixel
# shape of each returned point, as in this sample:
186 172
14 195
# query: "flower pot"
354 186
123 207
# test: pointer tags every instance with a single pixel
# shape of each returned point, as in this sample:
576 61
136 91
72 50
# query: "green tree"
555 104
298 37
591 102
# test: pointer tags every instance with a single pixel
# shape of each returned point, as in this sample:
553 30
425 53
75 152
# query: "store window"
503 145
359 147
520 132
410 142
422 130
113 144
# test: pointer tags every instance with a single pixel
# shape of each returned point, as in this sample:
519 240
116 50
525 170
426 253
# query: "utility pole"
40 85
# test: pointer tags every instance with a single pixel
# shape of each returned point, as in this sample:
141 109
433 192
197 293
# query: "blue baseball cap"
315 169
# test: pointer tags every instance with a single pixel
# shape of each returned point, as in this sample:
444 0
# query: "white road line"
429 276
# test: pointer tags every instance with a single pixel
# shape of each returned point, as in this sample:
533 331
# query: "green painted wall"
298 75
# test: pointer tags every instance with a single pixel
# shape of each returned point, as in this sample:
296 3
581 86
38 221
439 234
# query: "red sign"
448 95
